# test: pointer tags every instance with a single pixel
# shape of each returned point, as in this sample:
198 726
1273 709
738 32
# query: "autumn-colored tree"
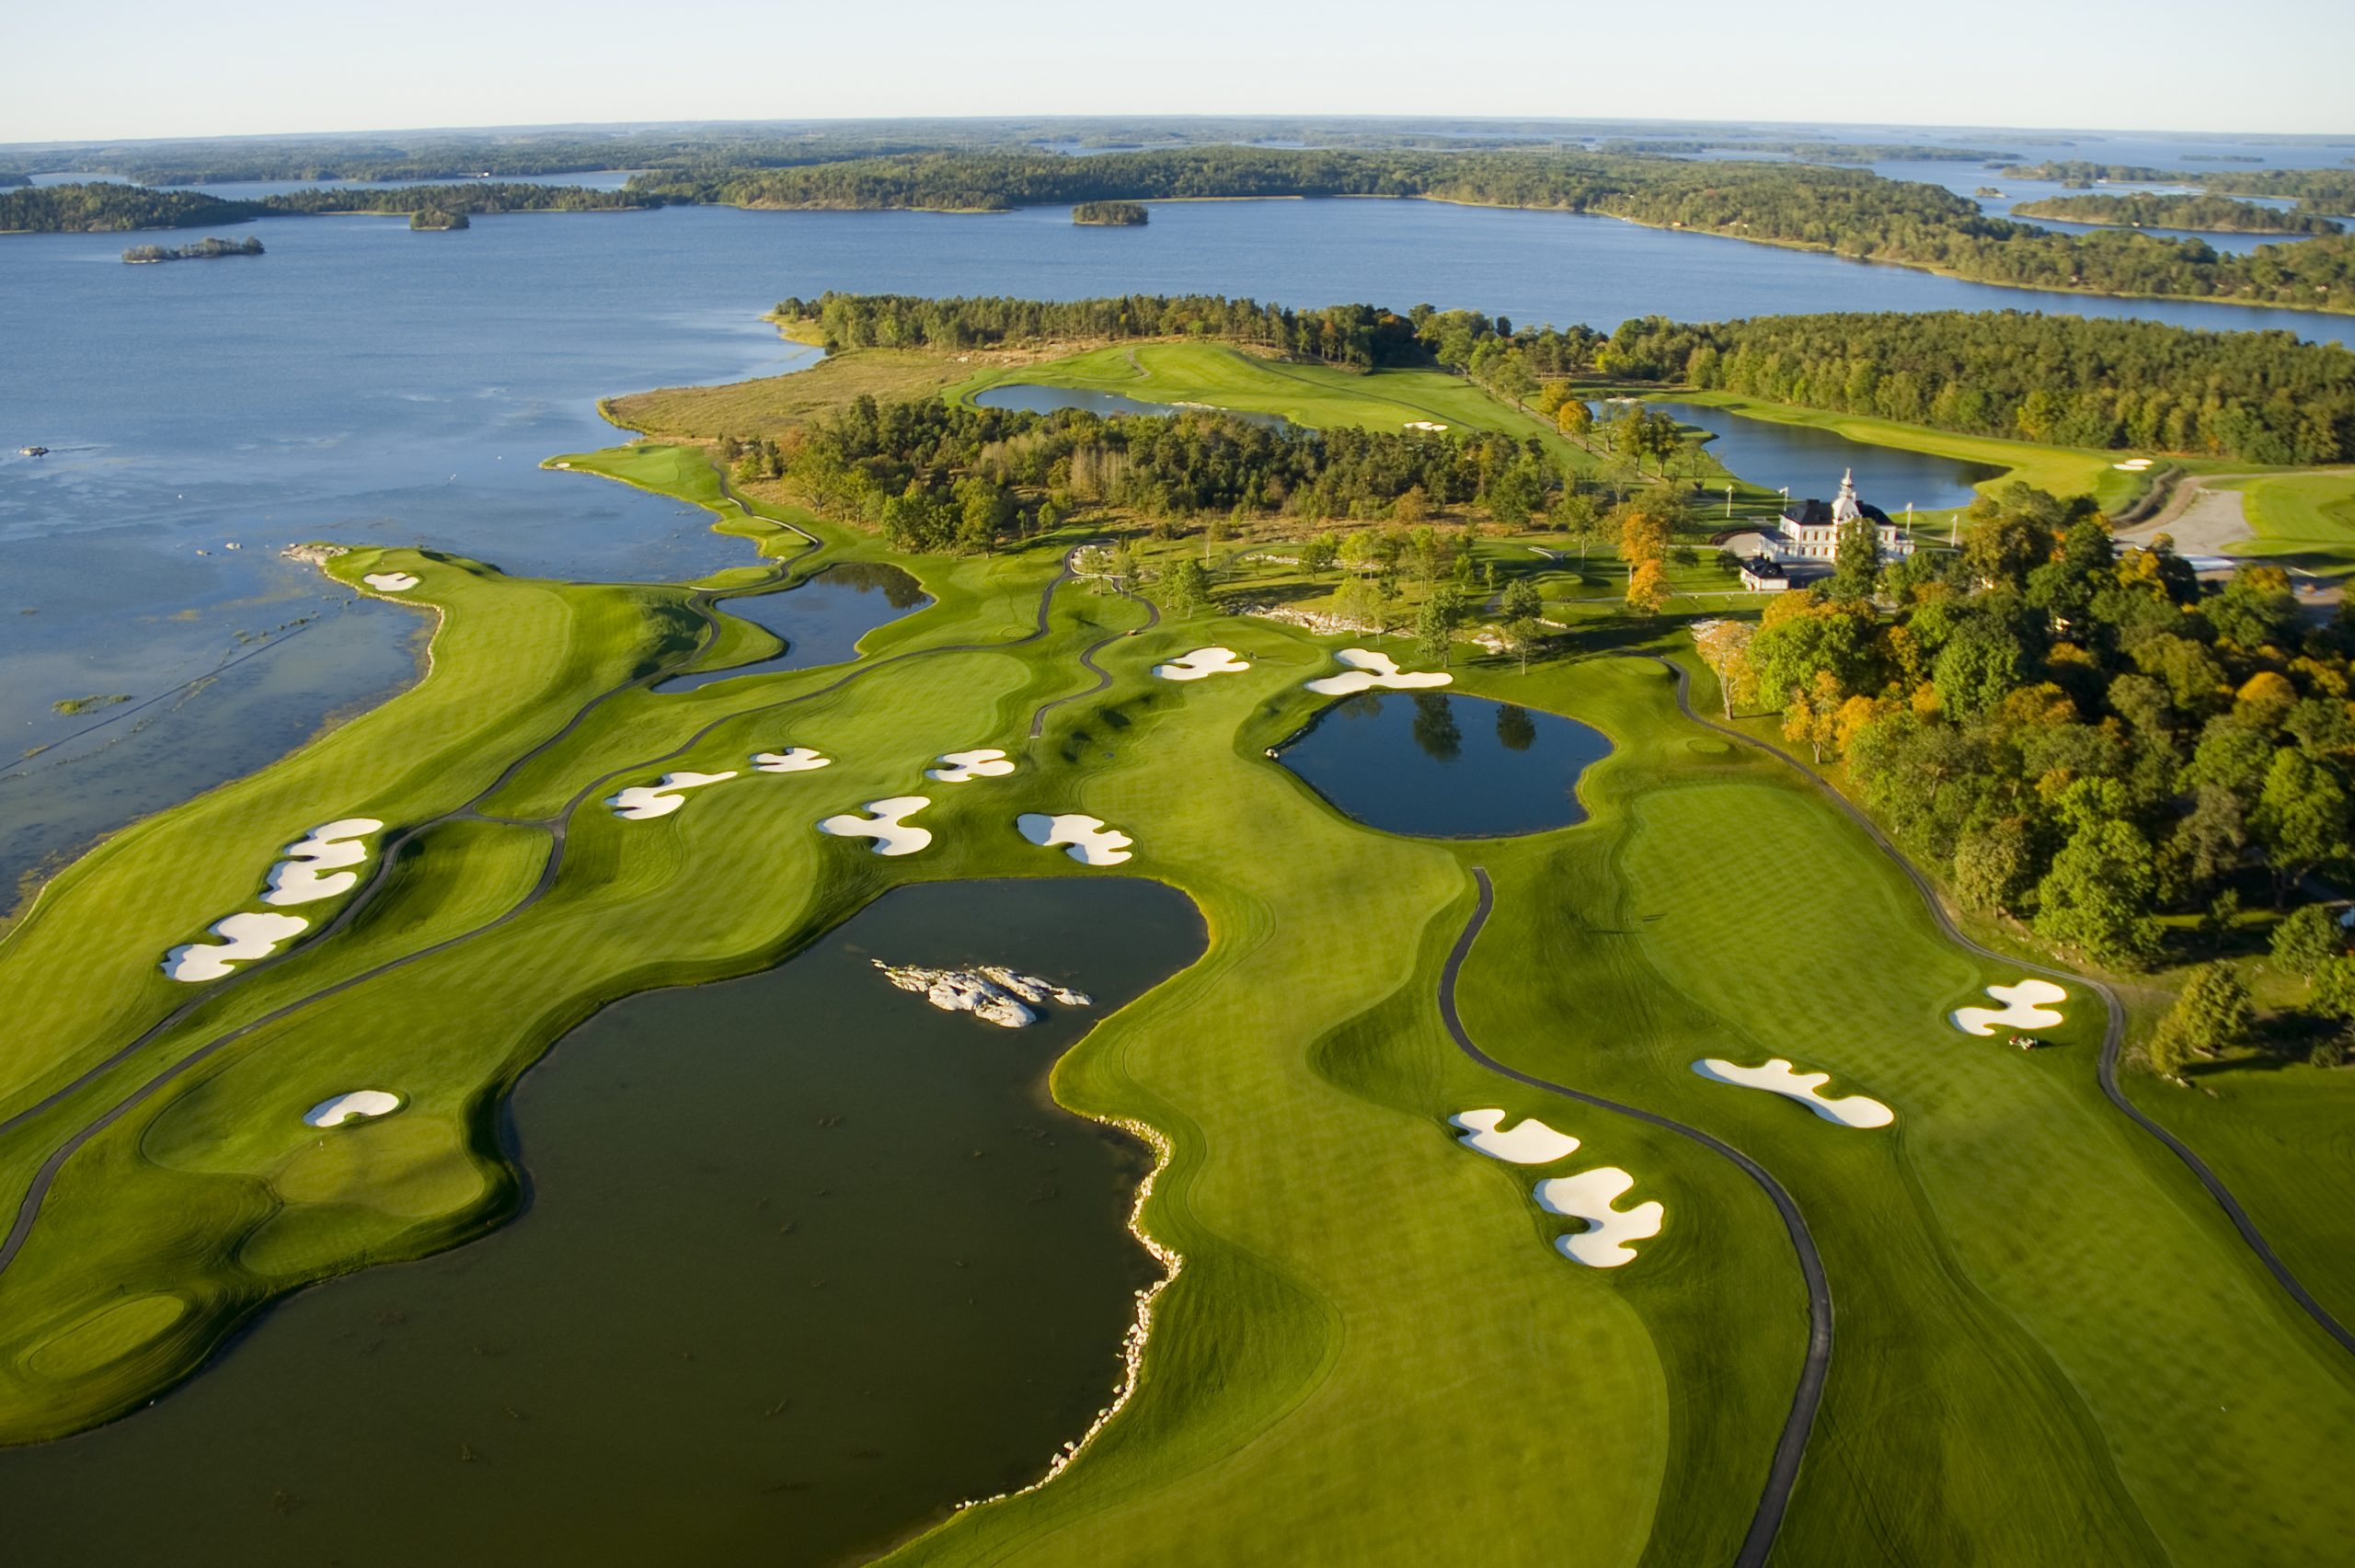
1812 718
1575 419
1648 586
1724 648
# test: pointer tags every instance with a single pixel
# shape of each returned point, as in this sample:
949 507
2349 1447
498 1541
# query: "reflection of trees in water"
1365 705
901 592
1516 731
1435 727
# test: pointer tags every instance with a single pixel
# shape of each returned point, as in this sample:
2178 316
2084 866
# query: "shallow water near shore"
1438 764
807 1261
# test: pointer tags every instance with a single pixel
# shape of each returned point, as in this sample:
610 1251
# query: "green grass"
1373 1353
2308 518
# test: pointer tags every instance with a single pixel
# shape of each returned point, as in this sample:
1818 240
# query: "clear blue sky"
87 69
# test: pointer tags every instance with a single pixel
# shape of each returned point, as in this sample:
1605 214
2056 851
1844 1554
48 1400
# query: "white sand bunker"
1368 669
1589 1196
1002 996
313 868
2022 1009
1202 663
1527 1142
390 582
964 767
1777 1078
2133 464
792 759
360 1105
640 802
1425 425
1092 843
249 937
885 823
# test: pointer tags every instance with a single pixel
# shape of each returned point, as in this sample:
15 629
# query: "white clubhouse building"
1808 535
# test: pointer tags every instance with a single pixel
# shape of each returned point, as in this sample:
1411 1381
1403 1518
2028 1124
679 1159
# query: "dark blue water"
1809 462
1437 765
819 620
367 383
1047 399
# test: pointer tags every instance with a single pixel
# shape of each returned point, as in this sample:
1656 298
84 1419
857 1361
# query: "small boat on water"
32 452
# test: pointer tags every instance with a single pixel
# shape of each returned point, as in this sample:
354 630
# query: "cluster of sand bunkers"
322 864
1086 840
989 991
1593 1196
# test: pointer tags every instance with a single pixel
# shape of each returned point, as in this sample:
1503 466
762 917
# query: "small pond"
1047 399
1438 765
807 1261
819 620
1810 462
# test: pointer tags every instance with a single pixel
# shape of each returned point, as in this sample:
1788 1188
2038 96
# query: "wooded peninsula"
2212 214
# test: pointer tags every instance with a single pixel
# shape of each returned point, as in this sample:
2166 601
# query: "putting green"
1372 1347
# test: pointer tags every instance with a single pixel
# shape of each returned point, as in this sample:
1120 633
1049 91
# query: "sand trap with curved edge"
641 802
1369 669
1091 842
1778 1078
390 582
792 759
2022 1008
964 767
250 936
1526 1142
886 824
360 1105
312 869
1589 1196
1202 663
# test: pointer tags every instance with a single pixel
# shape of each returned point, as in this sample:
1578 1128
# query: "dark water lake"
1810 462
820 620
1439 765
369 384
807 1261
1047 399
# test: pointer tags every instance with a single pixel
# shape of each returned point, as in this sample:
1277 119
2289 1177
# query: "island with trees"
2211 214
208 250
1111 214
437 220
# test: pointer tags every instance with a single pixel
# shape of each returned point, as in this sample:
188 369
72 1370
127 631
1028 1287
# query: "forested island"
1112 215
2330 192
438 220
2072 380
202 250
2212 214
104 207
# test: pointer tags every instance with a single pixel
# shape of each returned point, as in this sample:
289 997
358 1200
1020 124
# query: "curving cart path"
2113 1035
1783 1473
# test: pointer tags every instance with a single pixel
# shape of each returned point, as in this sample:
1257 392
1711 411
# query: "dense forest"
1116 215
2212 214
476 198
2072 380
1853 212
10 180
934 475
2257 396
202 250
2072 734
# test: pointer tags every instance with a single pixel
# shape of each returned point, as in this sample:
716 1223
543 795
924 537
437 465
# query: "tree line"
2327 191
2257 396
202 250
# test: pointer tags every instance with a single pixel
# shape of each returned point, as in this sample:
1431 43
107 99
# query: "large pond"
1439 765
1810 462
1038 399
807 1261
819 620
